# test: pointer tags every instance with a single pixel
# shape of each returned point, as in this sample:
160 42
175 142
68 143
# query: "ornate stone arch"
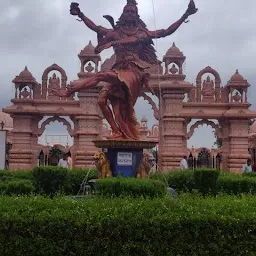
45 76
155 130
53 119
217 82
54 67
202 122
152 103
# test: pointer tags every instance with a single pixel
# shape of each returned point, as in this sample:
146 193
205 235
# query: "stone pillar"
239 144
21 154
87 129
34 139
225 130
172 131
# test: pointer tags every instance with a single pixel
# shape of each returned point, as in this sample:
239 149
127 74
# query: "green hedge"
182 181
128 227
8 175
75 178
211 181
206 181
131 187
250 174
16 187
236 184
49 180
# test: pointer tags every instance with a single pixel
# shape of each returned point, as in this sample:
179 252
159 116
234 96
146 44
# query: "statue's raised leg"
109 77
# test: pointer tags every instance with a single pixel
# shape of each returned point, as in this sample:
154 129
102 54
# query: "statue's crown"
131 2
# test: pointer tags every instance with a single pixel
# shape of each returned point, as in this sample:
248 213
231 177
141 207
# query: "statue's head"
130 14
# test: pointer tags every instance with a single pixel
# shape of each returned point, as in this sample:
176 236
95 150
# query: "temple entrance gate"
180 102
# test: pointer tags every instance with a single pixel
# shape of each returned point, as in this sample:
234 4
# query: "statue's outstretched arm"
170 30
75 10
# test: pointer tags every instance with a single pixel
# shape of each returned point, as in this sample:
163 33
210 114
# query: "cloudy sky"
38 33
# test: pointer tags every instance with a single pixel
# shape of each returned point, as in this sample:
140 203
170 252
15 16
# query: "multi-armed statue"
133 47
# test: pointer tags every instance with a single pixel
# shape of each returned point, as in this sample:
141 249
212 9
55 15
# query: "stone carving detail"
202 122
173 70
208 90
89 68
237 97
25 94
54 83
53 119
152 103
192 95
224 95
155 130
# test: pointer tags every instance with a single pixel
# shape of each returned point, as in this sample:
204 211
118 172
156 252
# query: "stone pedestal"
124 155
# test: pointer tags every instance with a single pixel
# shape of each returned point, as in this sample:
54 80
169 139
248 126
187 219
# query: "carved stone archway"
208 123
217 83
53 119
53 67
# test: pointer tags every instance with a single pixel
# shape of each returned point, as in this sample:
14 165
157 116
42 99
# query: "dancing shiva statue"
133 47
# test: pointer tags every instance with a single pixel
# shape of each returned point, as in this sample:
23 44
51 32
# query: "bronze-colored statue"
102 164
144 167
133 47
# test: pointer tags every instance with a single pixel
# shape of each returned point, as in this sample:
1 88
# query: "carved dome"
24 77
8 121
144 119
88 50
174 51
237 77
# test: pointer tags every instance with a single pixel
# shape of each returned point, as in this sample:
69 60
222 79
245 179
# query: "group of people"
66 161
248 167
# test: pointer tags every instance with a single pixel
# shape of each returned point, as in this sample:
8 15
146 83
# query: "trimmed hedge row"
44 180
56 180
209 181
131 187
125 226
182 181
236 184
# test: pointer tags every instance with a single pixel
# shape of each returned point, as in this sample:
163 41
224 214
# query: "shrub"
130 187
236 184
250 174
206 180
21 174
127 227
182 181
50 179
75 178
16 187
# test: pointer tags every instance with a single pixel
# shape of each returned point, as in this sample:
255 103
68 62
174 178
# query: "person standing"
63 161
70 162
248 166
184 163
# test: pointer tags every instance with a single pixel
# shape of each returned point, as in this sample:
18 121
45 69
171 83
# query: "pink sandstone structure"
180 103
